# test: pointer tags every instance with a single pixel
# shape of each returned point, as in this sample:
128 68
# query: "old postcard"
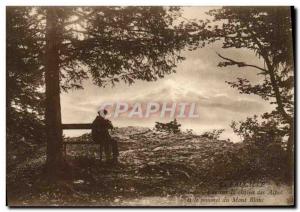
149 106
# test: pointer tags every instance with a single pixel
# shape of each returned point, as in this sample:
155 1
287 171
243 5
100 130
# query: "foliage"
24 78
260 133
267 31
114 44
67 45
170 127
214 134
141 43
262 154
250 161
189 131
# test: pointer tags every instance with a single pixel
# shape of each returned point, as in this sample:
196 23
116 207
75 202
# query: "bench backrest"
76 126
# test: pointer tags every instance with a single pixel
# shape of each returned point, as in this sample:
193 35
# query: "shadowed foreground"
154 169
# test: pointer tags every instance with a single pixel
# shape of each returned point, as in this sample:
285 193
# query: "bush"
261 155
170 127
214 134
247 161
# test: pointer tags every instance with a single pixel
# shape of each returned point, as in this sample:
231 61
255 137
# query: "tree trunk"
53 110
290 156
289 120
286 117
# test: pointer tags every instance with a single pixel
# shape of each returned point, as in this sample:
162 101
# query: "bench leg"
65 150
100 148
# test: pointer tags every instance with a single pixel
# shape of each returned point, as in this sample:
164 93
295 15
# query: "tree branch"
80 17
241 64
273 79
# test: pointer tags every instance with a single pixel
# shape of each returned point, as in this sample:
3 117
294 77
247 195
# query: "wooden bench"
77 127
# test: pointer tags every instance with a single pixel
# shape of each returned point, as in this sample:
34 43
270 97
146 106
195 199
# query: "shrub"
170 127
214 134
261 155
247 161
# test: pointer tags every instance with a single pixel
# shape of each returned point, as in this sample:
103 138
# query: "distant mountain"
172 92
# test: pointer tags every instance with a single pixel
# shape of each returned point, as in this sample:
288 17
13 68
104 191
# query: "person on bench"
100 134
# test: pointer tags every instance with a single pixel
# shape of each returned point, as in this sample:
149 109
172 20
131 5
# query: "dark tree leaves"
24 76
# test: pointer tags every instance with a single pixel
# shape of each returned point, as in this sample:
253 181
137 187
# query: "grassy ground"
152 167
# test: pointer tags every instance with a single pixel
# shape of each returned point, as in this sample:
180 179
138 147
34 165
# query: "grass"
154 169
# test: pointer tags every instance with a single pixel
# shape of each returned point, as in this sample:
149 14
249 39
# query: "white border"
152 2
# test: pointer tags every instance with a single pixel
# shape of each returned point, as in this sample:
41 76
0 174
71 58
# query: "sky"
197 79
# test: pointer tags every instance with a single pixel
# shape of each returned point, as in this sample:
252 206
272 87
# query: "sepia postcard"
144 106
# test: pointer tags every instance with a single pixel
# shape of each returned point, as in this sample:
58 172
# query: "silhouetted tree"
267 31
24 79
108 44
